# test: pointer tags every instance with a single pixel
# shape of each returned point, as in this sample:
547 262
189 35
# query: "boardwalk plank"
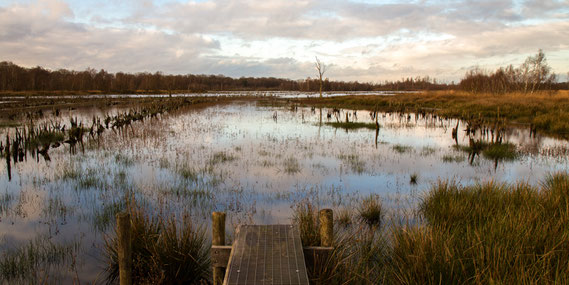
267 254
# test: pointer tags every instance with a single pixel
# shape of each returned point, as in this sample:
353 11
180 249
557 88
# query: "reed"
164 250
488 233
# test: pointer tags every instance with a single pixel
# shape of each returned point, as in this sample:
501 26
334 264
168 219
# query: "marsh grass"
186 171
488 233
505 151
370 211
24 264
6 200
291 165
221 157
401 148
193 194
492 151
103 217
56 207
46 138
164 163
547 111
413 178
306 217
356 164
344 217
69 171
449 158
123 160
359 251
90 178
428 150
165 251
351 125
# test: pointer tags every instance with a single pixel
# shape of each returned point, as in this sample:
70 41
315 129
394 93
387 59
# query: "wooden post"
218 238
125 248
326 227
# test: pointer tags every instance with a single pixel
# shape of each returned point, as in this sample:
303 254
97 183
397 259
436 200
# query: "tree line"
17 78
532 75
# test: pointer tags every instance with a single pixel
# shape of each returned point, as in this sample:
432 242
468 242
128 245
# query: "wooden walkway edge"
268 254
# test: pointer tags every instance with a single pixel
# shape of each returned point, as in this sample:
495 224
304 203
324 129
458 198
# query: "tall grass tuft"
164 252
370 211
487 234
306 217
359 253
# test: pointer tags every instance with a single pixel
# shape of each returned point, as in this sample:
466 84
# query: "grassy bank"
547 112
484 234
489 234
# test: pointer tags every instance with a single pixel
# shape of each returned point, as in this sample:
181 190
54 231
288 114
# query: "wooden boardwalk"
267 254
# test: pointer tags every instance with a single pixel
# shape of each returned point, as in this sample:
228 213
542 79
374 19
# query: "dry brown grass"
547 111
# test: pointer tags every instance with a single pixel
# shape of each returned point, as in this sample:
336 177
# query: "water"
252 161
278 94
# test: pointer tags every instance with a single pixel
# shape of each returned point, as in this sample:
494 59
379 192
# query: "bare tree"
321 68
535 72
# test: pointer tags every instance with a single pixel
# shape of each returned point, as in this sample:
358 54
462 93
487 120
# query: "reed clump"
504 151
487 234
306 217
164 250
370 211
360 251
352 125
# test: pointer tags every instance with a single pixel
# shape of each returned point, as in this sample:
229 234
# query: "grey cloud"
332 20
541 8
45 34
28 37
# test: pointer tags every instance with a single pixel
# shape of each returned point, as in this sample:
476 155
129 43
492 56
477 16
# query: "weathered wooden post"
326 227
125 248
218 238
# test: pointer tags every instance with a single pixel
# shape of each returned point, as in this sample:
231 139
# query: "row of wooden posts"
220 252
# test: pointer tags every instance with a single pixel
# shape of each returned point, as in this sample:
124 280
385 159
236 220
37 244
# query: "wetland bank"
266 160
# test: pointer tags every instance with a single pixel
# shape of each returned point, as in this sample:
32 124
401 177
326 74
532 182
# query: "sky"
363 40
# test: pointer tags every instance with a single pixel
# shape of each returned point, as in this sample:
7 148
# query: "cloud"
364 41
40 34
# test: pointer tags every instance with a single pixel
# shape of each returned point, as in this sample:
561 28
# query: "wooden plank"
267 254
220 255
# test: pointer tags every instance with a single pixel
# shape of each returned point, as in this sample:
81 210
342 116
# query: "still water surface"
253 161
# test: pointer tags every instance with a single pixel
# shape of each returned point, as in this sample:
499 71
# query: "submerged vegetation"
352 125
505 151
33 262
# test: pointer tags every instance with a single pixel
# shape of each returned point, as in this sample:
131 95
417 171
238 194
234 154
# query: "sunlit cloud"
359 40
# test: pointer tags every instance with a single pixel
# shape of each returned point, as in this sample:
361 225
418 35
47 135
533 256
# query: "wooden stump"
218 238
124 248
